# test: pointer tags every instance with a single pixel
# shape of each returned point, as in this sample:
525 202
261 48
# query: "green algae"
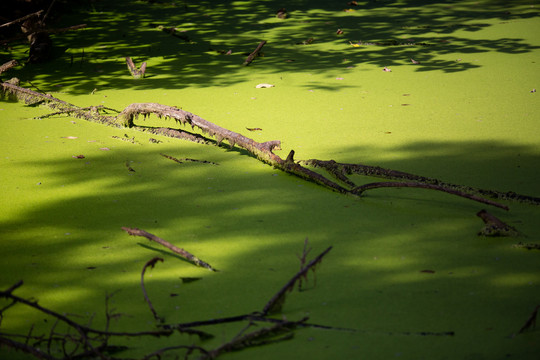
471 118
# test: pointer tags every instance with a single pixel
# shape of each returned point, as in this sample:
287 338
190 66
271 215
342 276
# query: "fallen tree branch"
262 151
183 253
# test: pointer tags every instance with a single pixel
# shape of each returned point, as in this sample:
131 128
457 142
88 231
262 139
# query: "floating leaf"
69 137
262 86
78 156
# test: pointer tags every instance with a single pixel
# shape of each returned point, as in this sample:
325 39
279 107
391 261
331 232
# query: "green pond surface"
407 267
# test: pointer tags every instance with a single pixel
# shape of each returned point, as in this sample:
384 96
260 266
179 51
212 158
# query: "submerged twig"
276 302
180 161
183 253
263 336
150 263
531 321
528 246
303 259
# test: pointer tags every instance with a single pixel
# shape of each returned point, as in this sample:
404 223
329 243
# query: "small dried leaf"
386 69
78 156
262 86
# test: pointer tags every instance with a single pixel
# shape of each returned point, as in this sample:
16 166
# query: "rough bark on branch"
6 66
263 151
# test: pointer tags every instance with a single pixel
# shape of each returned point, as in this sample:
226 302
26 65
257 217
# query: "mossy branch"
263 151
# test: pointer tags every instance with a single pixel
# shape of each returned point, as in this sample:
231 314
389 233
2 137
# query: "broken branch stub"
252 56
135 72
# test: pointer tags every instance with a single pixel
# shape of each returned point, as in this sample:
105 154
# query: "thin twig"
21 19
180 161
251 56
150 263
276 302
303 259
183 253
531 321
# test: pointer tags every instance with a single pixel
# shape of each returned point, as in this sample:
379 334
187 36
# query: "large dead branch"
262 151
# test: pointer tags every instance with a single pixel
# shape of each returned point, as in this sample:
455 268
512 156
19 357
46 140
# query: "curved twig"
150 263
360 189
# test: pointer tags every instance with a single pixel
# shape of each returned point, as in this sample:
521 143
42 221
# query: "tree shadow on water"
192 55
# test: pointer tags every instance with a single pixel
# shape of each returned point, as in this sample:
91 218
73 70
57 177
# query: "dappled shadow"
430 34
249 221
62 216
